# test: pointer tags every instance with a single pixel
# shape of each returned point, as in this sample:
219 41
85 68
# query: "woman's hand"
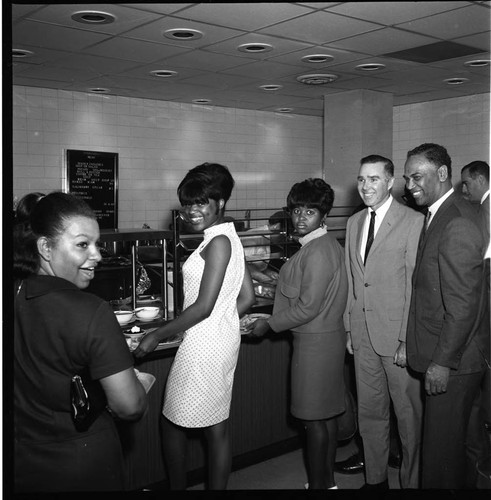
148 344
258 329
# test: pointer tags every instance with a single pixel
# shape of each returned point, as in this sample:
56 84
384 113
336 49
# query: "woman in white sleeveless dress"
217 289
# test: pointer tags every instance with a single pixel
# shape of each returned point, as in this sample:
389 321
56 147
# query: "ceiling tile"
40 71
378 42
135 50
125 18
393 12
143 72
280 46
100 65
320 28
160 8
40 55
153 32
239 15
480 40
454 24
339 56
221 81
21 11
213 61
54 37
263 69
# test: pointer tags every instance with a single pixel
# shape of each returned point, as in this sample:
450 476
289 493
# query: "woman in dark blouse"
60 331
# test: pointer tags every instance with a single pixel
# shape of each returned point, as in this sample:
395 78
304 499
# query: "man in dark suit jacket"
475 188
447 338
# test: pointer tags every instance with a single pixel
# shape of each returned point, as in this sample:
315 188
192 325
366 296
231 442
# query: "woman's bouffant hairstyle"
37 215
311 193
209 181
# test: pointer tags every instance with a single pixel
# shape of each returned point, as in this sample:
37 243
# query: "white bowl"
124 317
147 313
135 333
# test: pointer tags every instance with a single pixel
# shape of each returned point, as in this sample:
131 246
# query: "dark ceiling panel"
434 52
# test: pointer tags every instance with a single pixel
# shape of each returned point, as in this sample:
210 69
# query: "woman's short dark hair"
311 193
46 217
208 181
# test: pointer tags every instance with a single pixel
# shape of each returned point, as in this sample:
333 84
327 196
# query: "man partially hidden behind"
447 338
381 246
475 188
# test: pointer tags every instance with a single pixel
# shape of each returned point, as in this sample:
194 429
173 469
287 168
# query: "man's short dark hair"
434 153
476 168
388 165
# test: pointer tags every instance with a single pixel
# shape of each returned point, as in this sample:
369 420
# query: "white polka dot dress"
199 387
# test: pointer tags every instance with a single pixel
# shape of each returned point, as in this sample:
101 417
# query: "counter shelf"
132 242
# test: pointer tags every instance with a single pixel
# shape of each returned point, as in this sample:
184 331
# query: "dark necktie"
371 231
425 225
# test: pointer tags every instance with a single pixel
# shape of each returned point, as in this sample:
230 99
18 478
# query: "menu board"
93 176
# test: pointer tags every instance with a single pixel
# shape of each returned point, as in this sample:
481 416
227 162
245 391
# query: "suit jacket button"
366 284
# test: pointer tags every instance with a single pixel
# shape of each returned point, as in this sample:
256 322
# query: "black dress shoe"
395 461
384 485
352 465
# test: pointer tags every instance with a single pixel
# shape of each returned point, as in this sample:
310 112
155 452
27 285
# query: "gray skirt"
317 375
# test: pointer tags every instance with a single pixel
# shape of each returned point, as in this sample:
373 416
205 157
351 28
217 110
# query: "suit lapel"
384 228
434 223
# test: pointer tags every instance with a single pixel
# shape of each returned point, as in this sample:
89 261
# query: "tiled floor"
287 472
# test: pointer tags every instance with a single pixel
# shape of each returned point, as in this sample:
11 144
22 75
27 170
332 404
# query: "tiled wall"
158 141
460 124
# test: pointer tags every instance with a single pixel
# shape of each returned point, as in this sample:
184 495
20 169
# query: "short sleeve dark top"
60 330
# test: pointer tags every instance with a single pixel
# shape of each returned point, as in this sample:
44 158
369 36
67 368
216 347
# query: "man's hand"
436 379
349 344
400 358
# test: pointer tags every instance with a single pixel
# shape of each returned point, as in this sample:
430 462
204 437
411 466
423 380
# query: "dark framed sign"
93 176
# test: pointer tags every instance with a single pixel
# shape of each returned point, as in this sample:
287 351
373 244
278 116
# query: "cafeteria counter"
260 423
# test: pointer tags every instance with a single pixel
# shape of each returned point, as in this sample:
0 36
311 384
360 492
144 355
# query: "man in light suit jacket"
376 318
447 338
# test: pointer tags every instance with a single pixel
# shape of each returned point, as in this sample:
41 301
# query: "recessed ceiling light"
183 34
455 81
163 73
270 87
477 63
20 53
255 48
93 17
99 90
284 110
370 66
317 58
201 101
317 79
